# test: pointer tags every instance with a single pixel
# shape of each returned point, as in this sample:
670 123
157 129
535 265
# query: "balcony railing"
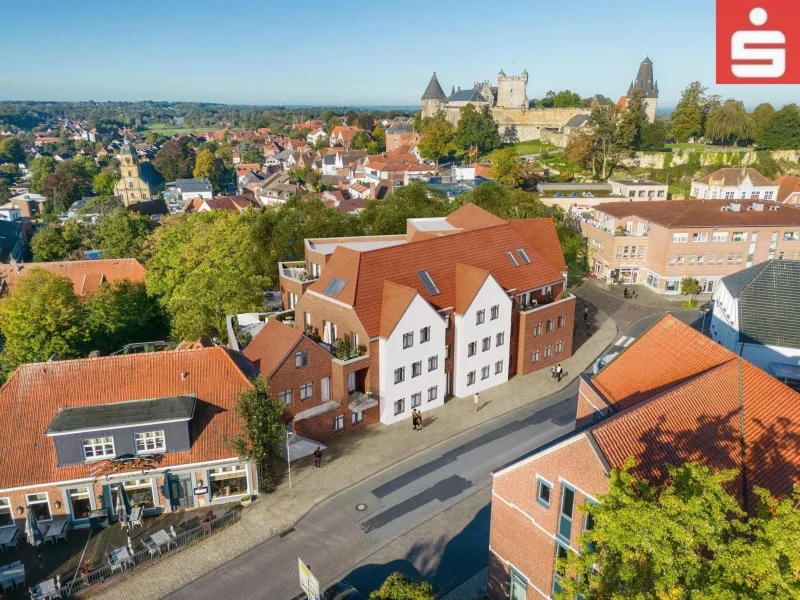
361 400
295 270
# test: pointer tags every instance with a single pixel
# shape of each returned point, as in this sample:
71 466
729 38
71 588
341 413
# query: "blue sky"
352 52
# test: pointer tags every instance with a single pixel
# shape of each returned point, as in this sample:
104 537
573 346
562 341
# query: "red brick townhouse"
455 306
76 434
673 396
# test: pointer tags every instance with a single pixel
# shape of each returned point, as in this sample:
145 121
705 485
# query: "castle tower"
433 99
648 86
512 90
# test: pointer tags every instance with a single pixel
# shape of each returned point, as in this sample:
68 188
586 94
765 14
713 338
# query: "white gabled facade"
745 190
469 331
418 316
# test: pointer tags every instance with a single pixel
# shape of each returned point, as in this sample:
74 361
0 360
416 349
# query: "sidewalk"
353 458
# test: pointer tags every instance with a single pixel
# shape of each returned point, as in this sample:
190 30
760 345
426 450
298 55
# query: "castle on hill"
518 118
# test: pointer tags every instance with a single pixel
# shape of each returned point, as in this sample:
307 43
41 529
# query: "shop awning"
300 447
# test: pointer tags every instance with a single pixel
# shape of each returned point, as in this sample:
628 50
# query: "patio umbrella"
122 513
32 531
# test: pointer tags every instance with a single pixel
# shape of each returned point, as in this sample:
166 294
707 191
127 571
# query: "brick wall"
589 402
289 377
320 428
320 309
528 342
522 529
288 285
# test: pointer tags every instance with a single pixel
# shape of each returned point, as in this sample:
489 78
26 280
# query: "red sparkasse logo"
758 41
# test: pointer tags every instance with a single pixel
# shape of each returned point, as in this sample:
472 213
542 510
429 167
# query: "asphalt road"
427 517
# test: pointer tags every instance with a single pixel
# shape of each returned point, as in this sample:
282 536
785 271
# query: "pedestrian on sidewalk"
318 457
553 372
476 399
585 312
419 420
625 293
559 371
588 330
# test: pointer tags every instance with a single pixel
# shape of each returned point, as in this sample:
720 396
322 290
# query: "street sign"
308 582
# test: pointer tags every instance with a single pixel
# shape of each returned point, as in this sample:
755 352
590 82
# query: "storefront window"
39 504
228 481
672 285
140 492
81 502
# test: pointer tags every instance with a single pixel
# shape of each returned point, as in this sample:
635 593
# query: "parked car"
343 590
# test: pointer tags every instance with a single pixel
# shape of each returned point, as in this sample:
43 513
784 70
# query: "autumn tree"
209 167
72 180
55 242
505 167
388 216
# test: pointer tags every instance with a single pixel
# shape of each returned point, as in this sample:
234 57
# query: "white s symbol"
776 56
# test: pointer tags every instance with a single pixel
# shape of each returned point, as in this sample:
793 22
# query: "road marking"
629 342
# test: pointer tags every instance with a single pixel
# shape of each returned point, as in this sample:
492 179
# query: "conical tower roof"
645 81
434 90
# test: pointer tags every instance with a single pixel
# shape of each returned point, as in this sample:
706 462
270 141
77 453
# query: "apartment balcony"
361 401
295 271
547 301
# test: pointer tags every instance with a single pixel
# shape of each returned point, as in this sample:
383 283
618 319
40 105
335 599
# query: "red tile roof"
33 394
542 235
86 275
789 184
270 346
644 369
703 213
700 420
483 248
471 216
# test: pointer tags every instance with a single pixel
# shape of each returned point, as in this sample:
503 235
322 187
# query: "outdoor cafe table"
9 574
120 556
56 530
45 588
7 536
161 537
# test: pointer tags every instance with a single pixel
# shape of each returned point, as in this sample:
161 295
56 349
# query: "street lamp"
289 433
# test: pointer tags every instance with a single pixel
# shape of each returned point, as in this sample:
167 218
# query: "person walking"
625 293
419 420
559 371
585 312
318 457
477 400
553 372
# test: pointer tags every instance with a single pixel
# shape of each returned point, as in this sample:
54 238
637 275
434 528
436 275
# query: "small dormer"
122 430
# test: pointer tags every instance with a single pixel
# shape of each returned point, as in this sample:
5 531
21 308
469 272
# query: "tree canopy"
41 168
505 166
782 131
11 150
401 587
730 124
689 115
70 181
175 160
210 167
388 216
476 128
123 234
687 538
437 137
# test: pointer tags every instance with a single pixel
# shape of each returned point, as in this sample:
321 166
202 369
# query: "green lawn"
523 148
168 130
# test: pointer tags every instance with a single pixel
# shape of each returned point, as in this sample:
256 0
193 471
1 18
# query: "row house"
342 135
456 306
659 243
145 429
86 275
734 183
671 397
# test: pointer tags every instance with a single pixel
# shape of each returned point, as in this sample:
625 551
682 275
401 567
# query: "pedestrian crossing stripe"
625 341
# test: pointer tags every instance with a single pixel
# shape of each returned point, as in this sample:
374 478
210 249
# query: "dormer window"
512 257
149 441
98 448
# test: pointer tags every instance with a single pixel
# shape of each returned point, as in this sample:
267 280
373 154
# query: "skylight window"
334 287
428 283
523 256
512 257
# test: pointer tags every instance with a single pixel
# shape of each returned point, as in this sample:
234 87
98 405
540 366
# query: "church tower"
433 99
648 87
132 186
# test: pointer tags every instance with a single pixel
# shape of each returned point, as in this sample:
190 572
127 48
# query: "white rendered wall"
724 318
418 315
491 294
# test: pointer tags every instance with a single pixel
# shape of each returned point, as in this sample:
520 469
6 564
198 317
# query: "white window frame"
338 422
680 238
6 503
433 393
94 444
739 236
480 317
147 436
791 236
719 236
237 468
495 312
433 363
286 394
306 391
699 237
45 501
358 417
301 359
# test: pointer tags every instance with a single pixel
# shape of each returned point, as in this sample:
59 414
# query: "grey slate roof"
577 121
644 80
434 90
471 95
767 295
121 414
400 127
192 185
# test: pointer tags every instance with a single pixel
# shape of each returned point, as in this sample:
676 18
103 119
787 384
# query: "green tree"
59 242
782 132
687 538
210 167
400 587
767 165
11 150
123 313
71 181
634 118
689 115
101 205
360 140
476 128
262 430
41 168
505 167
418 121
690 287
251 154
379 137
566 99
103 184
41 317
613 137
437 137
388 216
502 201
5 192
123 234
761 116
225 152
653 137
730 124
175 160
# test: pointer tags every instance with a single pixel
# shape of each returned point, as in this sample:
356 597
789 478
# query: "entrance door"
326 389
351 382
181 494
